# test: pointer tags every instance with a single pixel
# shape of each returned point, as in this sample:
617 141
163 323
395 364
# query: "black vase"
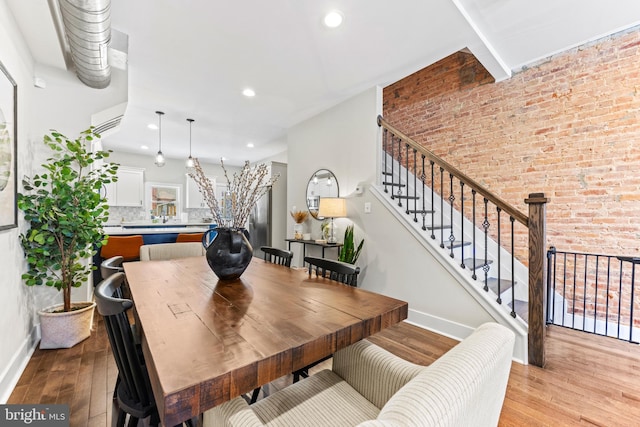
229 253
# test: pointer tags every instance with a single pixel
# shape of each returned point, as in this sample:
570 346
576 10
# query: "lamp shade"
332 207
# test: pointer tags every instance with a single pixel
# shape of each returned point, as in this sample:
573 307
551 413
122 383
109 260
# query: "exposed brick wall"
568 127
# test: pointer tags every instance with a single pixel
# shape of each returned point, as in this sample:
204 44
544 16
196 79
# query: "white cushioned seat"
370 387
163 251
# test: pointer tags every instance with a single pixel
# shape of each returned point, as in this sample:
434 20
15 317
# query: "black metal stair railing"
593 293
527 242
405 163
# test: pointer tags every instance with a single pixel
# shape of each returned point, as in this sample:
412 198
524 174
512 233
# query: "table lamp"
332 207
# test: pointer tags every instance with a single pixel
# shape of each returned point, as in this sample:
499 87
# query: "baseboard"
459 332
11 374
439 325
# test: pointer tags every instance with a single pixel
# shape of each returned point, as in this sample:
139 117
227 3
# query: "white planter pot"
64 330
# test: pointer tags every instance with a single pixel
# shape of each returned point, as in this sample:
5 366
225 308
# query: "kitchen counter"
153 229
159 224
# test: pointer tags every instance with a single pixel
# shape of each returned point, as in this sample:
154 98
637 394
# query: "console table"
312 243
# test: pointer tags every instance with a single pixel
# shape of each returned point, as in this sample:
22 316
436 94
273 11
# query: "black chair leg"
133 422
254 396
304 373
119 418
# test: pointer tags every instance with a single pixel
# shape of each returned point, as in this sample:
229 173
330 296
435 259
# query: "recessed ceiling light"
249 93
224 159
144 147
333 19
152 126
250 145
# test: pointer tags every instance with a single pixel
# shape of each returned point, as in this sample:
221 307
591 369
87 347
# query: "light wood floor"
589 380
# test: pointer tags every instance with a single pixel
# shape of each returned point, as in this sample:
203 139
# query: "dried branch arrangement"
244 191
299 216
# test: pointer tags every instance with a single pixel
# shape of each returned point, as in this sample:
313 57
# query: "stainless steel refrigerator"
260 224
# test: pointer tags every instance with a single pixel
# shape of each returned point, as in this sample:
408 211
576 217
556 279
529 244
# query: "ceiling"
193 58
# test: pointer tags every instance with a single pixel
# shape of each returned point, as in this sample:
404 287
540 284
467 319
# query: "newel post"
537 277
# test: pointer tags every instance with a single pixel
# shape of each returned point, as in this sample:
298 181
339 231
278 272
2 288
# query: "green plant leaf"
348 253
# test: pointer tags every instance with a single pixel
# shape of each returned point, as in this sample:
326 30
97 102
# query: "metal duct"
87 26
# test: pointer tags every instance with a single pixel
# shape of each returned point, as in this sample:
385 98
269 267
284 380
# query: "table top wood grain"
207 341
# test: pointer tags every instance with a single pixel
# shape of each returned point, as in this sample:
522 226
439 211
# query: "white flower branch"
244 191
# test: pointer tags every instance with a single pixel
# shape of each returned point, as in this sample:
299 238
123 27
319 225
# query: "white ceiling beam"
483 50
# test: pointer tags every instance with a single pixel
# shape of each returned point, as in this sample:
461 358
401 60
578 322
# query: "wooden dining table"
207 341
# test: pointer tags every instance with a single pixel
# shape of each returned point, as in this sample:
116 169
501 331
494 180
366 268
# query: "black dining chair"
277 256
334 270
111 266
132 392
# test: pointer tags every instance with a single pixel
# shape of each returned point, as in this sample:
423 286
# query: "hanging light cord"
159 113
190 122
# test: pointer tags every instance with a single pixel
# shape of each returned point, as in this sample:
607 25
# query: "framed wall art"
8 150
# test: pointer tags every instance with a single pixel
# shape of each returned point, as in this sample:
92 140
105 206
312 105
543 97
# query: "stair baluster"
461 224
473 249
452 198
399 192
415 186
485 225
441 207
386 150
433 219
423 177
406 169
499 299
513 266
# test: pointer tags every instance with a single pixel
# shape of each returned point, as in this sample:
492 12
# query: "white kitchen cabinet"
193 197
128 190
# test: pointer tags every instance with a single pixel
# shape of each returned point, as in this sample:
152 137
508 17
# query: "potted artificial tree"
66 212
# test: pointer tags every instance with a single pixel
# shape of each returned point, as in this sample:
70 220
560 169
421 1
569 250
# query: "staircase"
438 227
484 238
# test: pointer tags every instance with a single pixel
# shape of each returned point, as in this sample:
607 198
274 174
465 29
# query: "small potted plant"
299 217
349 253
66 211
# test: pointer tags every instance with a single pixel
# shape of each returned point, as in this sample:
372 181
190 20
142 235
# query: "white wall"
17 304
65 105
344 140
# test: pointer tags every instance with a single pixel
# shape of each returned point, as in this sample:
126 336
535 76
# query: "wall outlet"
367 207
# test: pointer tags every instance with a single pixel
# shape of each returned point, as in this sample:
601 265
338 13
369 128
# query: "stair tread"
505 284
479 263
522 309
457 244
438 227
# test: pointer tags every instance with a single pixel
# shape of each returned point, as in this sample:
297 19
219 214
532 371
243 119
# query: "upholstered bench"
164 251
368 386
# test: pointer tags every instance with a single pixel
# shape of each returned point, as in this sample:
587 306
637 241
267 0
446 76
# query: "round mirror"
323 183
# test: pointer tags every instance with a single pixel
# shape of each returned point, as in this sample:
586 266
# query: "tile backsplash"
118 214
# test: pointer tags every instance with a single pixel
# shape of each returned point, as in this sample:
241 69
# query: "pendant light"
190 163
159 157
